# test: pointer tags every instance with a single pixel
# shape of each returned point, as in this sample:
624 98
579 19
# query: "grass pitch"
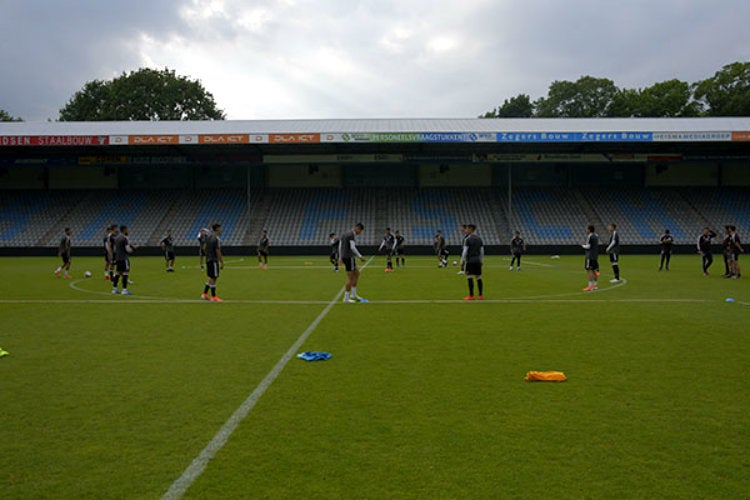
107 396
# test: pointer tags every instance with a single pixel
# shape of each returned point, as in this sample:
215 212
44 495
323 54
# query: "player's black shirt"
111 238
704 242
614 243
121 247
439 243
263 244
389 241
473 251
168 243
65 245
345 246
213 246
334 243
400 242
592 252
516 245
666 241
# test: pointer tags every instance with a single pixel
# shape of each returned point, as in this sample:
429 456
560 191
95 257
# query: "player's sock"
471 286
480 286
124 281
205 288
616 269
354 291
347 295
213 290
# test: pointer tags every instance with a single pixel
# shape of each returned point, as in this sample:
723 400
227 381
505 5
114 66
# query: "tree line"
152 95
727 93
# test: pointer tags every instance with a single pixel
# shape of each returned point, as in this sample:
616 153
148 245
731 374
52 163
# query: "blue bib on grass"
314 355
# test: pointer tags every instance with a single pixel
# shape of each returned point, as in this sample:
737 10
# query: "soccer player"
214 263
122 250
333 241
388 245
400 250
613 250
591 245
736 247
472 258
704 248
63 252
465 231
665 243
107 253
440 251
347 253
202 236
167 247
263 246
517 247
115 230
728 253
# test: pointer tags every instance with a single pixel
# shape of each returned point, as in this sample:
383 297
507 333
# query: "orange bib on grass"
545 377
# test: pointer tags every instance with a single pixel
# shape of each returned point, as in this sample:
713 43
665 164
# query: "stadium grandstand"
301 180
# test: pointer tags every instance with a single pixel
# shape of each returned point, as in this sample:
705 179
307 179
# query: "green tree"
7 117
146 94
587 97
727 93
672 98
519 106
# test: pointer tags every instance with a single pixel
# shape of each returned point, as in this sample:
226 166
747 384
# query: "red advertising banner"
293 138
224 139
741 136
54 140
153 140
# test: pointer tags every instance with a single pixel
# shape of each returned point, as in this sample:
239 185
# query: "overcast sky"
295 59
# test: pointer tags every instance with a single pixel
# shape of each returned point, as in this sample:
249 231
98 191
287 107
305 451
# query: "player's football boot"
469 297
216 299
205 296
126 292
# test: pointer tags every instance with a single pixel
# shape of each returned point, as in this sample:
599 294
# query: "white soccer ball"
87 274
455 263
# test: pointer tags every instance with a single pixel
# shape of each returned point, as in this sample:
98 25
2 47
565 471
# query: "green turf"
106 396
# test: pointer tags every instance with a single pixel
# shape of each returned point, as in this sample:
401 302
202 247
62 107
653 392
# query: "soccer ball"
455 263
87 274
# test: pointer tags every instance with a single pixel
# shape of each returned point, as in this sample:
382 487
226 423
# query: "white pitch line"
199 464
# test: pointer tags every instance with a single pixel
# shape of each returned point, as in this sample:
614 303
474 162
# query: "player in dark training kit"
517 248
63 252
735 247
613 249
591 245
704 249
400 250
472 258
438 245
333 242
348 253
123 248
388 245
202 235
665 246
167 248
263 248
214 263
